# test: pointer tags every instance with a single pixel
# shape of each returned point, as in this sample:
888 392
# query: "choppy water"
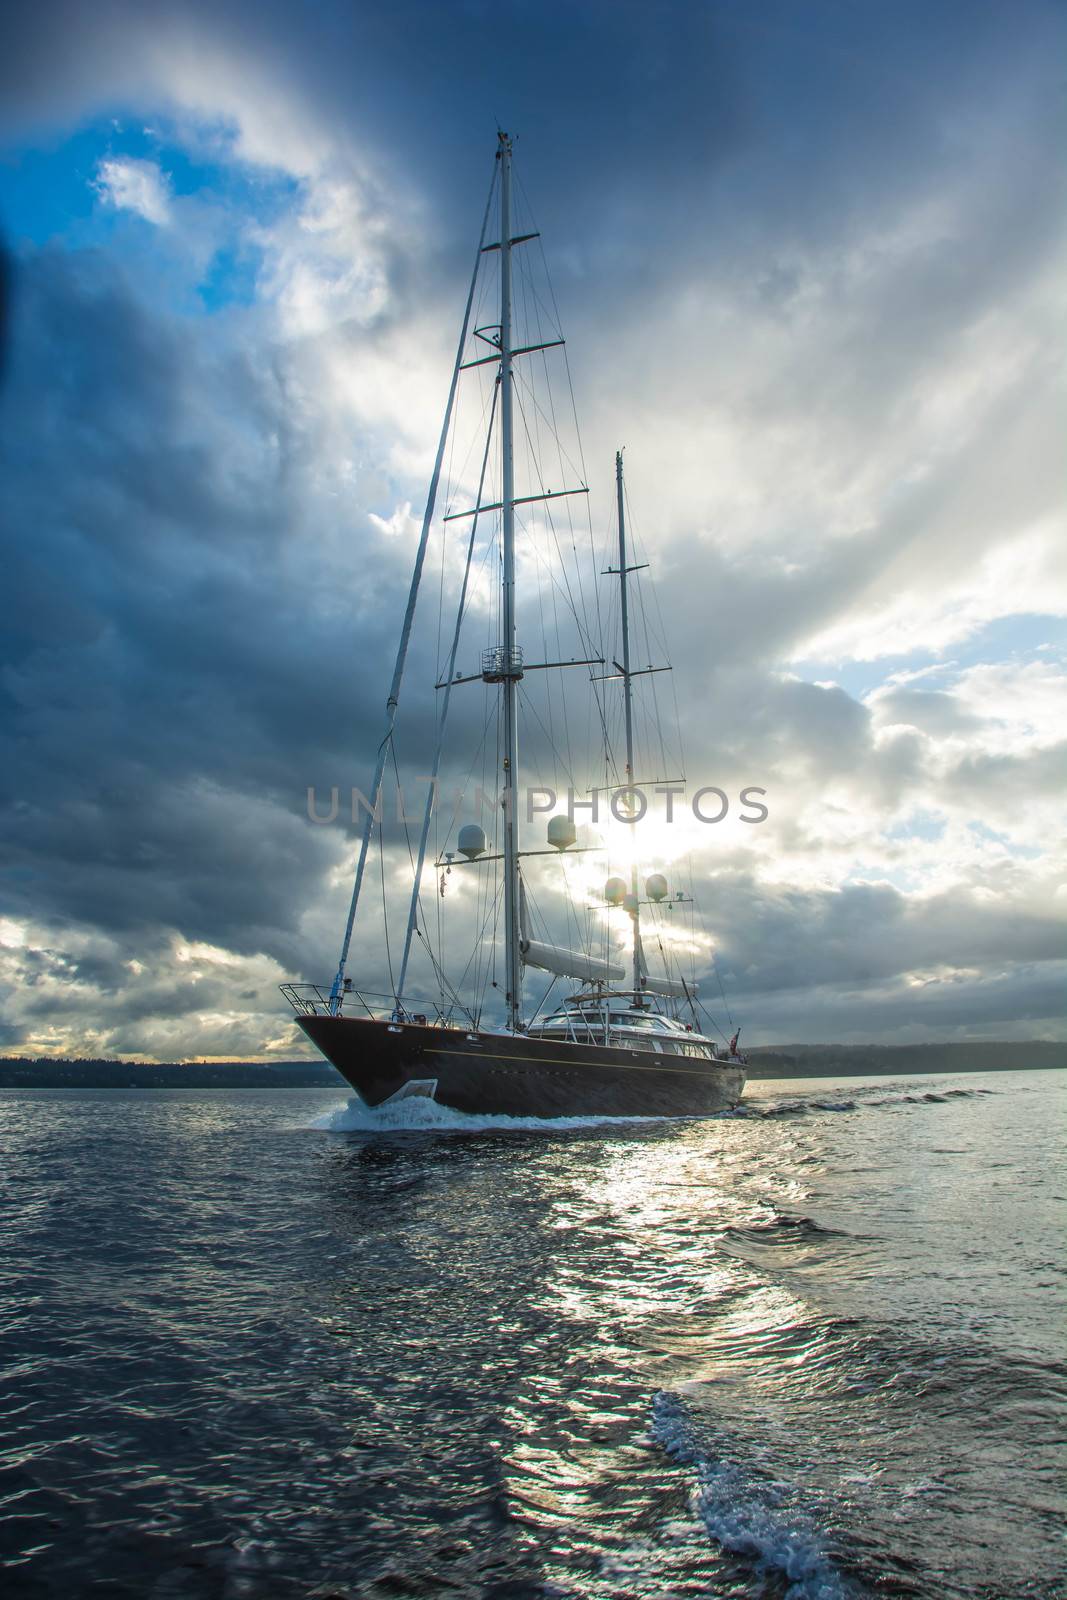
809 1349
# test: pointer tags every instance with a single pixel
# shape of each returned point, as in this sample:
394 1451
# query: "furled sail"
568 963
670 988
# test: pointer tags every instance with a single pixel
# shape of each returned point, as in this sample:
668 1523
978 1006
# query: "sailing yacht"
624 1042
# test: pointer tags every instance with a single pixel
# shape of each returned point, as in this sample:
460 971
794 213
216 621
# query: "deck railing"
313 1000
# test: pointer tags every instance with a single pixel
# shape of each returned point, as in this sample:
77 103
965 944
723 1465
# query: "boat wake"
782 1228
752 1519
420 1114
861 1099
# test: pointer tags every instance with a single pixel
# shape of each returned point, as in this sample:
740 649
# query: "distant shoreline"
787 1061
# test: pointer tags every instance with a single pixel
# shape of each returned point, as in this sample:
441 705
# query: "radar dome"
615 891
471 841
656 887
561 833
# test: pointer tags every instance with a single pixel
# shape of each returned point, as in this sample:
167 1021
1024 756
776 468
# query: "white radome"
561 833
471 841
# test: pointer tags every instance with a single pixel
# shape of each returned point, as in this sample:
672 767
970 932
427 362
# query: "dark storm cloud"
867 934
631 106
166 673
1024 1003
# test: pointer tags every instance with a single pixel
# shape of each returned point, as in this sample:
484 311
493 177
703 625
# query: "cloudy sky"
809 260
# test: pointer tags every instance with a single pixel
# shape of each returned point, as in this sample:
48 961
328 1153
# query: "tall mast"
511 663
627 689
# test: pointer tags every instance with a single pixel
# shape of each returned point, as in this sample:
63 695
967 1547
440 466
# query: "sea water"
268 1343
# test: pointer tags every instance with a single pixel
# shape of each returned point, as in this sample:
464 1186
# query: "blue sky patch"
49 194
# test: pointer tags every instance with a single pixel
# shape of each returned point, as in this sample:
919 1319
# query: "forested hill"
784 1061
841 1060
22 1072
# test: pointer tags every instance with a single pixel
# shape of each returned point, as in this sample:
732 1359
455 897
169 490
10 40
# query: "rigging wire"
337 988
415 906
560 598
655 633
385 904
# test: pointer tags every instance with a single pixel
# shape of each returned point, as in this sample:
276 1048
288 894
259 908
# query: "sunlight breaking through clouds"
826 335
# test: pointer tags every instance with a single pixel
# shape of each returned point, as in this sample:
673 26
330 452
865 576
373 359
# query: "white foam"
745 1517
421 1114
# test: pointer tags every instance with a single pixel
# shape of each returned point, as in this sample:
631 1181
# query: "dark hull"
502 1075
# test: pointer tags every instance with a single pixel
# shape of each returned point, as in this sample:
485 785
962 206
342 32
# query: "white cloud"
328 258
137 186
82 997
1024 704
401 525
